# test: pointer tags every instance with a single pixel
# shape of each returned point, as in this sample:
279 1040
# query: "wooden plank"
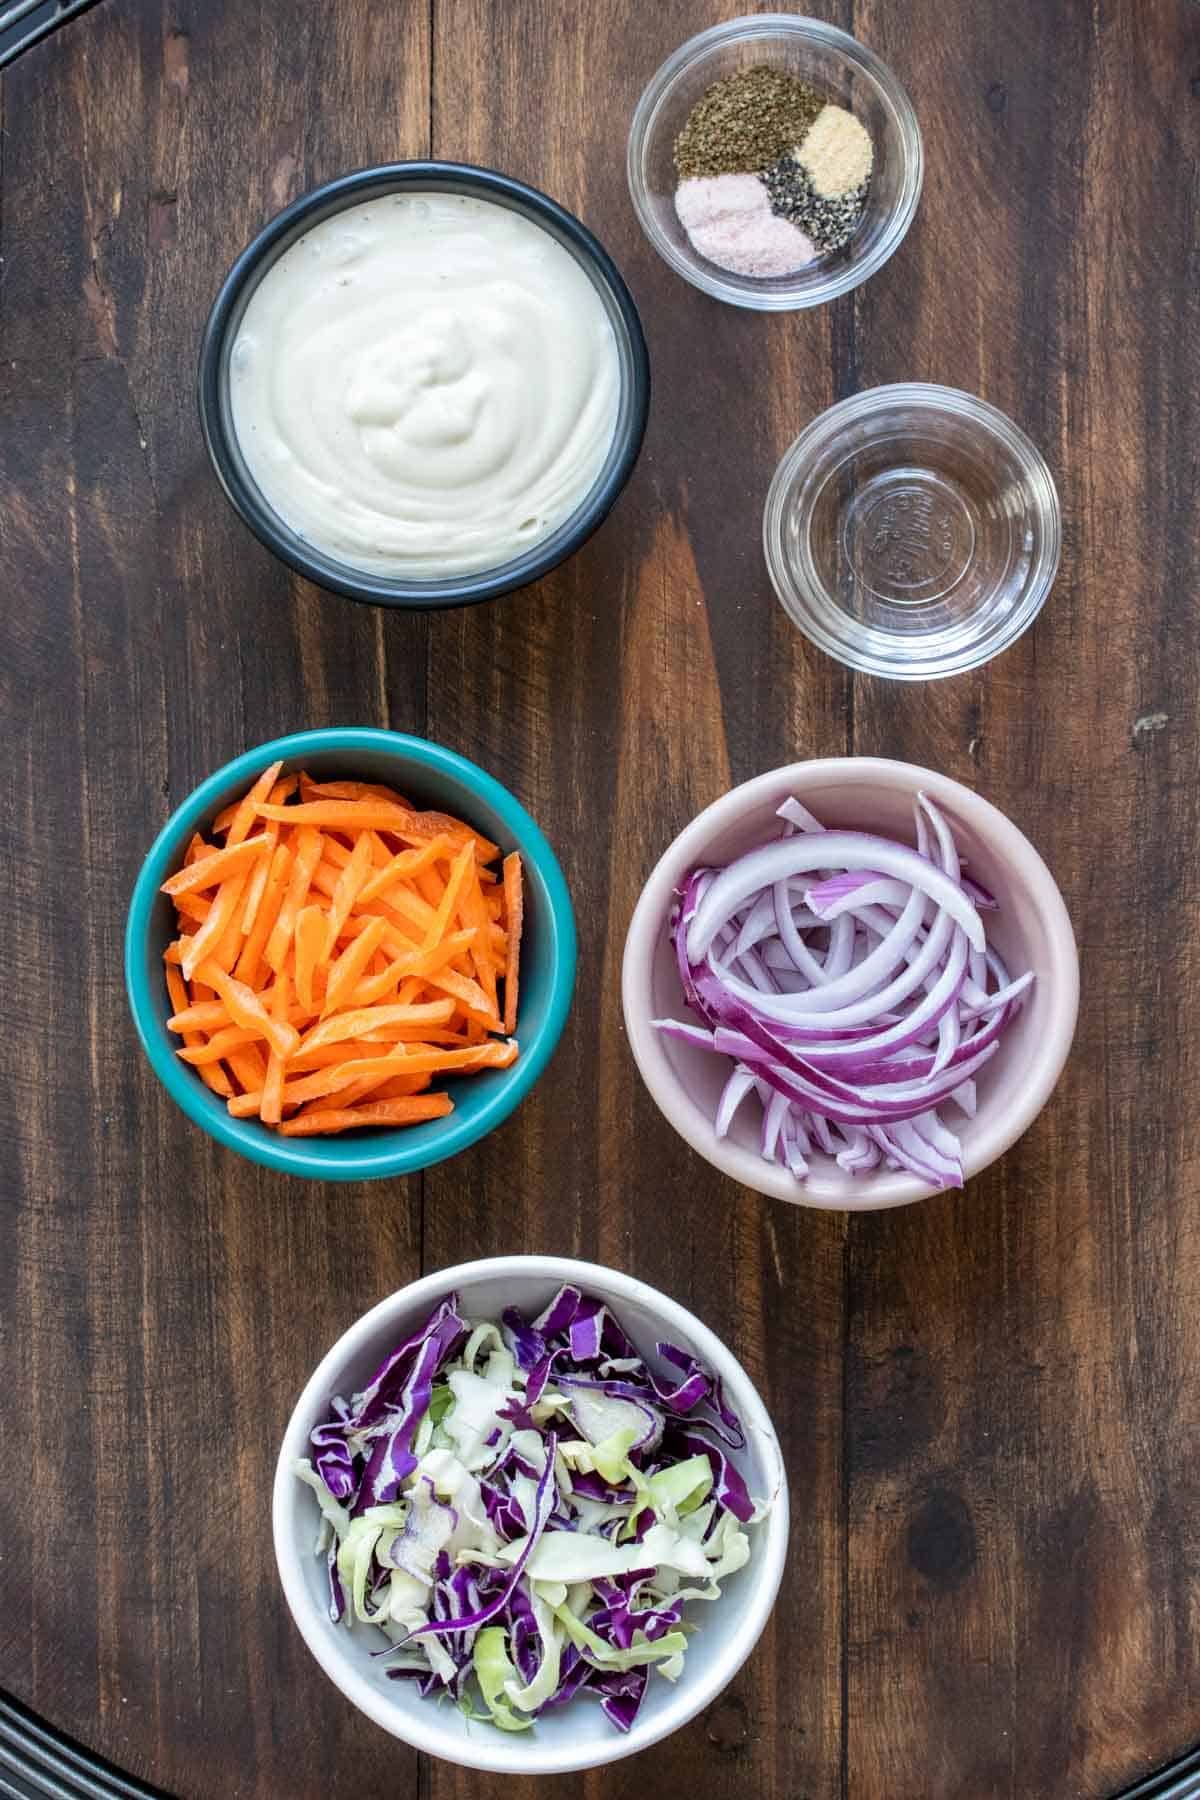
1021 1410
987 1402
162 1300
616 699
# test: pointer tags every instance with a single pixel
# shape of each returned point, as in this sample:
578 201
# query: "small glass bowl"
912 531
837 65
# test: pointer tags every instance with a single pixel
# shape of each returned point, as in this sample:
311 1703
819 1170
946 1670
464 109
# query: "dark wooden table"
988 1402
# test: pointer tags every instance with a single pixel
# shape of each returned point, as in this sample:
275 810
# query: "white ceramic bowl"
578 1735
1031 930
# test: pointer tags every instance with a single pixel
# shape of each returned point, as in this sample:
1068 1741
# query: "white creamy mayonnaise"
425 385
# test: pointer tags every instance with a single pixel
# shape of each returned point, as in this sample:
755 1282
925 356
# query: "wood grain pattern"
988 1403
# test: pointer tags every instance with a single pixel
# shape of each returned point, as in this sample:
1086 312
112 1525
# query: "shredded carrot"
351 964
191 906
209 870
468 993
229 944
407 864
338 951
373 1018
244 815
212 932
408 1111
308 855
472 910
212 1075
250 1067
448 903
397 1085
227 1038
514 906
271 899
271 1108
348 790
246 1009
311 949
347 889
261 870
378 815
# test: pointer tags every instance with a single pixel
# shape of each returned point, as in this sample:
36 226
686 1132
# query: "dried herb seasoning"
745 122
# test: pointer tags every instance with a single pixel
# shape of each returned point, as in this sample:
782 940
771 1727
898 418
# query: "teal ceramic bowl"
435 778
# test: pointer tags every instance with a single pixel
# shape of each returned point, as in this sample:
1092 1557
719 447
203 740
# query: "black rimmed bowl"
278 236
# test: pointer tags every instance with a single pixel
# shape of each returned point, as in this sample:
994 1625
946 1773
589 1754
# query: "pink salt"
728 219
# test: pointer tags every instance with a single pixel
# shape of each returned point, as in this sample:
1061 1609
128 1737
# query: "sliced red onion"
788 930
831 849
737 1087
987 902
847 893
798 816
966 1099
850 980
1003 997
773 1117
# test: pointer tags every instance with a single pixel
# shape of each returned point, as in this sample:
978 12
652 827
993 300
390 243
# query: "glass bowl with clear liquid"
912 531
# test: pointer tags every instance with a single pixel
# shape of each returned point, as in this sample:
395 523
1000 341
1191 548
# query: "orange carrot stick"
247 1010
410 1111
311 932
229 945
213 1076
260 874
346 892
425 1062
407 864
192 907
349 790
244 814
468 993
472 910
246 967
379 815
210 870
213 929
271 1107
350 965
308 855
397 1085
261 871
229 1037
371 1018
514 903
326 1055
374 988
295 1093
207 1015
430 887
447 905
250 1067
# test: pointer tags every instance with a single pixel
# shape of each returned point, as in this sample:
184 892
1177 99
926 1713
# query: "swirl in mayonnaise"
425 385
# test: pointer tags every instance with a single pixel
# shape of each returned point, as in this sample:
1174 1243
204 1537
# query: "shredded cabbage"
522 1508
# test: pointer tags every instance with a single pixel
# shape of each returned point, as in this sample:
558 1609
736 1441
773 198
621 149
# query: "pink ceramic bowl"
1031 930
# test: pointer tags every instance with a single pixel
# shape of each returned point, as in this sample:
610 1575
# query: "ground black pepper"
745 122
828 224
